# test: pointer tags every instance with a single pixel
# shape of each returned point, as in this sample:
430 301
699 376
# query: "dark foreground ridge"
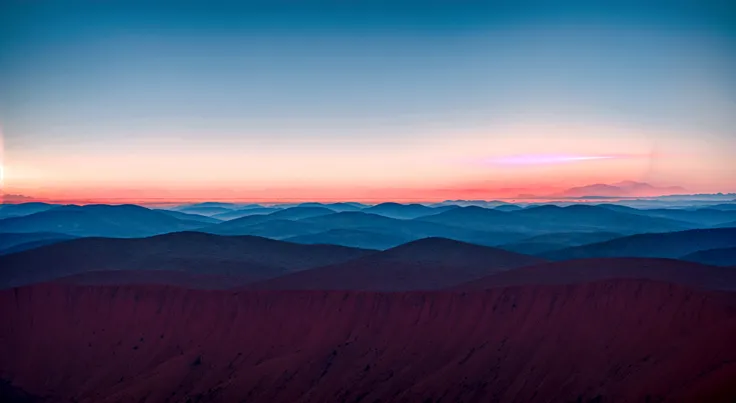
588 270
611 341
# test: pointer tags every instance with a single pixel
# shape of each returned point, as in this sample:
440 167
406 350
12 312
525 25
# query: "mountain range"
620 189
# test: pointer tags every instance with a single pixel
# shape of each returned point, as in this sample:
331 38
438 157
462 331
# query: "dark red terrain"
161 277
587 270
611 341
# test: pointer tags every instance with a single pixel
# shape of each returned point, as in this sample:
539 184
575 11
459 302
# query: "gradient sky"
364 99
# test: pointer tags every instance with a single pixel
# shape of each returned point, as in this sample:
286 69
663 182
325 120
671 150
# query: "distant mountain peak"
626 188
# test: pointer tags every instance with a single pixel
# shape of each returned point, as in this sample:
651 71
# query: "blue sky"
118 83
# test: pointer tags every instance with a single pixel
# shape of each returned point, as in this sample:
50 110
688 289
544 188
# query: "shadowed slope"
715 257
665 245
186 251
614 341
425 264
549 242
10 241
587 270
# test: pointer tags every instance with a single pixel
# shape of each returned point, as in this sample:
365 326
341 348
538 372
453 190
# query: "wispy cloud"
546 159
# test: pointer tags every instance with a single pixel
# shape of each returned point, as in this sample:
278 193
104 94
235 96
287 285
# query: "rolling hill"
297 213
425 264
551 218
558 240
705 217
405 211
13 241
480 219
204 210
190 217
275 229
234 214
664 245
353 238
594 218
284 225
715 257
23 209
413 229
186 251
99 220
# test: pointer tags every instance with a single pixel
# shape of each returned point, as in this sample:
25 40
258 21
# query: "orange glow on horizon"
440 167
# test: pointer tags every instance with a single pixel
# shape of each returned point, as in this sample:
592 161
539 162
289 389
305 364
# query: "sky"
363 99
